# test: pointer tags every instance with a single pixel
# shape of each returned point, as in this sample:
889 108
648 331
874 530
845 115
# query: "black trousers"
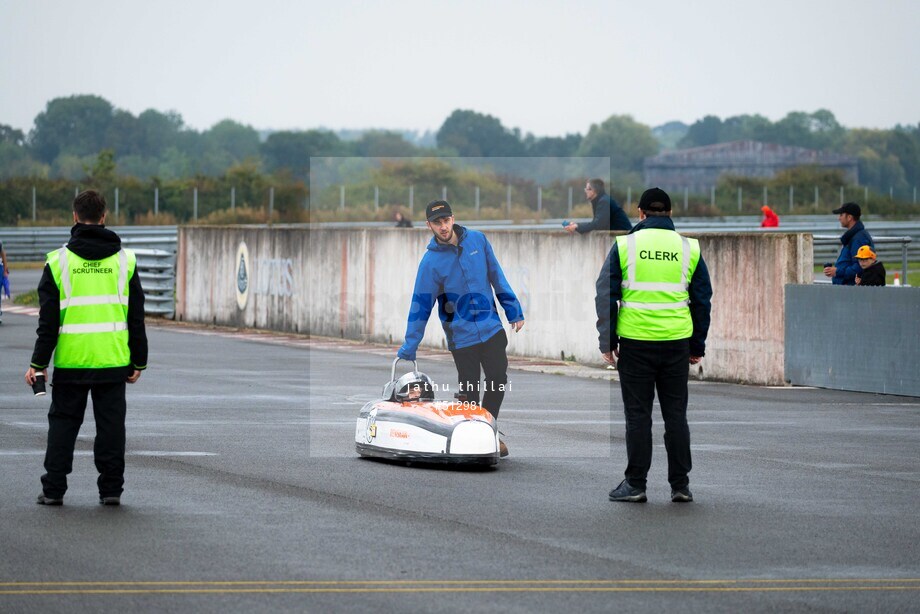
491 356
68 404
644 367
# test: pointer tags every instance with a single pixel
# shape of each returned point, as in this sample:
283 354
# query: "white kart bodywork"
426 431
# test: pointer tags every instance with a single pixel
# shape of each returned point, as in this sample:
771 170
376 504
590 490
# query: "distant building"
699 168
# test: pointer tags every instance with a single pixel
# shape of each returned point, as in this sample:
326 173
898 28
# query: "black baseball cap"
851 208
437 209
655 199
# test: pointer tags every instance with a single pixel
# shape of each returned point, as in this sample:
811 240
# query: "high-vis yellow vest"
93 331
657 266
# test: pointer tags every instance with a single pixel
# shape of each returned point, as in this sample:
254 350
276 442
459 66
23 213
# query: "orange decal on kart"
447 412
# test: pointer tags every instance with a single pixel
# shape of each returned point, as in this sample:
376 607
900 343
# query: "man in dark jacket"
402 221
653 310
873 271
459 270
608 215
844 271
91 318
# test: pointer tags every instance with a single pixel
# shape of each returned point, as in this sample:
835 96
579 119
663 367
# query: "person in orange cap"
770 219
873 271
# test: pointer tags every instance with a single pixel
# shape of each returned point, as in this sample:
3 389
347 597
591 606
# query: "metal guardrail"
31 244
157 271
154 246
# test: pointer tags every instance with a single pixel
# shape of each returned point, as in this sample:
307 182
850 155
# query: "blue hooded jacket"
461 280
847 266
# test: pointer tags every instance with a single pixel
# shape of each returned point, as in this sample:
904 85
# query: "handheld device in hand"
38 387
827 264
565 223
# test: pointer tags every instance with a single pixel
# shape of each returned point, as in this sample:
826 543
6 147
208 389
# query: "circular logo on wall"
242 275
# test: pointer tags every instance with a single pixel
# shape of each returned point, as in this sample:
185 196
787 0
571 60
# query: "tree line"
69 136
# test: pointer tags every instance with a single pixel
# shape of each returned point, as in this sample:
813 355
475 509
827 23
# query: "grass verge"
29 299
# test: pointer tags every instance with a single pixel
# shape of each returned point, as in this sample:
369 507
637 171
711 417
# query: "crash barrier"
893 251
33 243
155 247
852 338
357 284
157 271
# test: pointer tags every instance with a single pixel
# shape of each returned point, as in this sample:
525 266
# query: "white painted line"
20 310
169 453
129 453
740 423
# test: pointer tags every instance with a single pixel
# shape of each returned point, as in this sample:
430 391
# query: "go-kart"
409 424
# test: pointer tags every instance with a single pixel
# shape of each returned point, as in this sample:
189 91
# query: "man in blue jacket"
608 214
844 271
459 271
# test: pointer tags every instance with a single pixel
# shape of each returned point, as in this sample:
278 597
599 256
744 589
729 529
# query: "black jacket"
873 276
608 215
609 292
92 242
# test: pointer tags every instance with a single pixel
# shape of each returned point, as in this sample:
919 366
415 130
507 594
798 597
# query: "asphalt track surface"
244 494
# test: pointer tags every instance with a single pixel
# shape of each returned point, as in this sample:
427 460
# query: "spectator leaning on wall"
608 215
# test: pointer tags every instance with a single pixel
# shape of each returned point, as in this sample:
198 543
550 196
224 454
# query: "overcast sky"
548 68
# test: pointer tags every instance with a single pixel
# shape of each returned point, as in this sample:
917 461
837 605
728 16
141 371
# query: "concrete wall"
358 284
749 274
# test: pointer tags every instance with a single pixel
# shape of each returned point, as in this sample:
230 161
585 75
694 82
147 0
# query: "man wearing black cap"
844 271
656 332
459 271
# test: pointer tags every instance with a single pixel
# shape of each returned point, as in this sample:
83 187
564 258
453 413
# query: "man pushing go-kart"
459 271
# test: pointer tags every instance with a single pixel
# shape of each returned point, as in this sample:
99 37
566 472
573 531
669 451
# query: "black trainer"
43 500
681 495
625 492
109 500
